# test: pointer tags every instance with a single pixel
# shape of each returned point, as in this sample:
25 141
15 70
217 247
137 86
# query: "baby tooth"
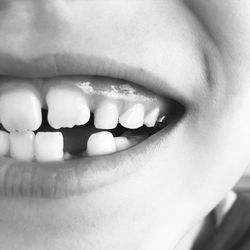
20 109
122 143
22 145
133 118
4 143
101 143
49 146
152 117
67 107
106 115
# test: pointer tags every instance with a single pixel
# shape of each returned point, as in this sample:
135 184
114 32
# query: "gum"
94 88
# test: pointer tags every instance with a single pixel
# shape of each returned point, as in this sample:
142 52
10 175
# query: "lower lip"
74 177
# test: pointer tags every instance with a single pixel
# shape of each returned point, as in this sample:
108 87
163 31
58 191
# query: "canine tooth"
152 117
101 143
49 146
4 143
133 117
20 109
22 145
106 115
67 107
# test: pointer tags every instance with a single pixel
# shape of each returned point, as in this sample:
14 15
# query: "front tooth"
20 108
4 143
152 117
101 143
49 146
106 115
133 118
22 145
67 107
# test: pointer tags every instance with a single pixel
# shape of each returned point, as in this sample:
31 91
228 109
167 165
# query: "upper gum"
111 89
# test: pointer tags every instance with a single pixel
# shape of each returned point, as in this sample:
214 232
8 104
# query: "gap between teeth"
48 146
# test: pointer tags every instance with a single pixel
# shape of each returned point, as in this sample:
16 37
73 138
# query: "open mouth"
61 124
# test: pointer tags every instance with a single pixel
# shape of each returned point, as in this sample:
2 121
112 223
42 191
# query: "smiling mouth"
59 133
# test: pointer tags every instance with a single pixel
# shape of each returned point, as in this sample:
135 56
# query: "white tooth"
4 143
101 143
49 146
152 117
122 143
67 107
20 109
22 145
133 118
106 115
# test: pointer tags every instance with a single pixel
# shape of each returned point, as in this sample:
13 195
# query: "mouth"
67 133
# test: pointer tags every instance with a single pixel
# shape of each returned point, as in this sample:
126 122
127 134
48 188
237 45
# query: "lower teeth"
48 144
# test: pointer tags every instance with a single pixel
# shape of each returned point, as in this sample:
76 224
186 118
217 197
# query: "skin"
191 170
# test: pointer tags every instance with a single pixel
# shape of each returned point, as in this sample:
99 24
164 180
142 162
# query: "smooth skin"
201 48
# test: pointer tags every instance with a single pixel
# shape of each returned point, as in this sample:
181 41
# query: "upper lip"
65 64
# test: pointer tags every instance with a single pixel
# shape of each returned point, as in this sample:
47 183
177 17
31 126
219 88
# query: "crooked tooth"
152 117
4 143
67 107
133 117
106 115
49 146
101 143
22 145
20 108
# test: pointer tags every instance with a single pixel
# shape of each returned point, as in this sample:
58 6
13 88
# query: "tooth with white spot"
101 143
20 108
106 115
4 143
133 117
49 146
22 145
67 107
152 117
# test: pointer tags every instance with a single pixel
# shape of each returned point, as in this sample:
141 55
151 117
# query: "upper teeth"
20 108
152 117
106 115
133 117
69 105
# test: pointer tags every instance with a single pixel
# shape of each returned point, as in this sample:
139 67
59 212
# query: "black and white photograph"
124 124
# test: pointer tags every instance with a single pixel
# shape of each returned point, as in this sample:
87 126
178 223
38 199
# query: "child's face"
152 193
